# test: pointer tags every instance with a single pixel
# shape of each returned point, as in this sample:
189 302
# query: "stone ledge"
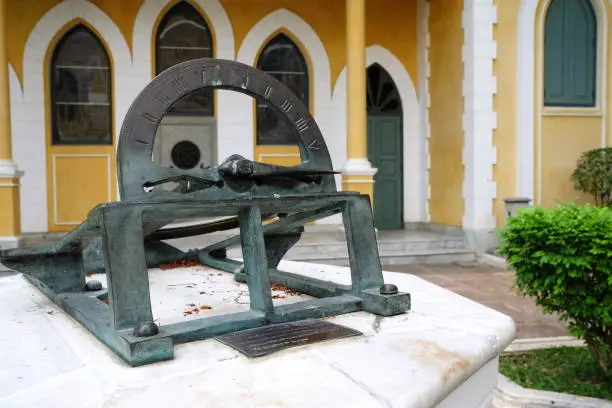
538 343
511 395
444 352
494 261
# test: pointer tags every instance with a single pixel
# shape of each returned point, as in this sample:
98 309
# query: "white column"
479 120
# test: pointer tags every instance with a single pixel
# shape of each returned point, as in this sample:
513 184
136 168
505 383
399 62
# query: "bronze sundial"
123 239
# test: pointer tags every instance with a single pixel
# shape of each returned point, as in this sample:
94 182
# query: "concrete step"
328 246
339 248
422 248
443 256
439 256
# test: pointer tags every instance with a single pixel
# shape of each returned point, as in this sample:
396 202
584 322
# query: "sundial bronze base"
59 271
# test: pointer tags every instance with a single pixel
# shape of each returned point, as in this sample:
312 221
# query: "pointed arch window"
183 35
570 54
81 90
382 96
282 59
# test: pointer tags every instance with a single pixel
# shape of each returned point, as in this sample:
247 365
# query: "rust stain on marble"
447 363
452 361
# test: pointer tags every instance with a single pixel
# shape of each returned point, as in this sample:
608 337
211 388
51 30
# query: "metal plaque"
262 341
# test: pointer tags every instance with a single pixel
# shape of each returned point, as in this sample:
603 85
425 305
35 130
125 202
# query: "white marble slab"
414 360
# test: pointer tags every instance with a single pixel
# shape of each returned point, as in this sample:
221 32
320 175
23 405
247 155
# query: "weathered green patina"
124 239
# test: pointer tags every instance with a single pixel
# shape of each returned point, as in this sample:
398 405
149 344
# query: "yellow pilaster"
358 172
10 227
5 102
355 39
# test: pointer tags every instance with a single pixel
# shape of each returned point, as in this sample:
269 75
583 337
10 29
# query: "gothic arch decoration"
151 11
415 153
150 14
527 175
81 89
182 35
283 20
382 94
28 118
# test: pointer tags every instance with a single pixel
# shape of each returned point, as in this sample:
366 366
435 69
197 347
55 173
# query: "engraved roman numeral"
301 125
149 117
286 106
163 99
314 145
179 85
245 82
268 92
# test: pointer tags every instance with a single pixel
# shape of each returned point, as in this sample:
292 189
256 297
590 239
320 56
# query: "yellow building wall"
9 204
561 135
395 31
564 138
504 102
446 112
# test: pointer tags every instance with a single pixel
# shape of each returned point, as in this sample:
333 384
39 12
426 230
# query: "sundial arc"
137 136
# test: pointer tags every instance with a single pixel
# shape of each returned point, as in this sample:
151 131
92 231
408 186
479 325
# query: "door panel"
385 153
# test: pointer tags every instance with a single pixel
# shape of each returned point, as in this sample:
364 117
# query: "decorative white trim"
358 181
359 167
415 198
575 113
527 134
8 169
424 97
144 36
508 394
54 172
262 156
525 99
10 242
479 118
320 77
28 116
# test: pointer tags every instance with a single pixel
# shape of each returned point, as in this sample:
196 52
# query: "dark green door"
385 154
385 148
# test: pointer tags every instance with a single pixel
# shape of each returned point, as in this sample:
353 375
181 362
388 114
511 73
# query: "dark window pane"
183 35
83 124
81 90
283 60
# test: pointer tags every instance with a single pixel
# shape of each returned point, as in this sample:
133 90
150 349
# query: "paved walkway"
493 288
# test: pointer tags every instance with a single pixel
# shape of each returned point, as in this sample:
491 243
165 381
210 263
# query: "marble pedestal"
444 353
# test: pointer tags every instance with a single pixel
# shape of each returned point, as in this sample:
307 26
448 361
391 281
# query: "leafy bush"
563 259
593 175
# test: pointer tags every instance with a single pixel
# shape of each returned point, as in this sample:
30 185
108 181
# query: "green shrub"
563 259
593 175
